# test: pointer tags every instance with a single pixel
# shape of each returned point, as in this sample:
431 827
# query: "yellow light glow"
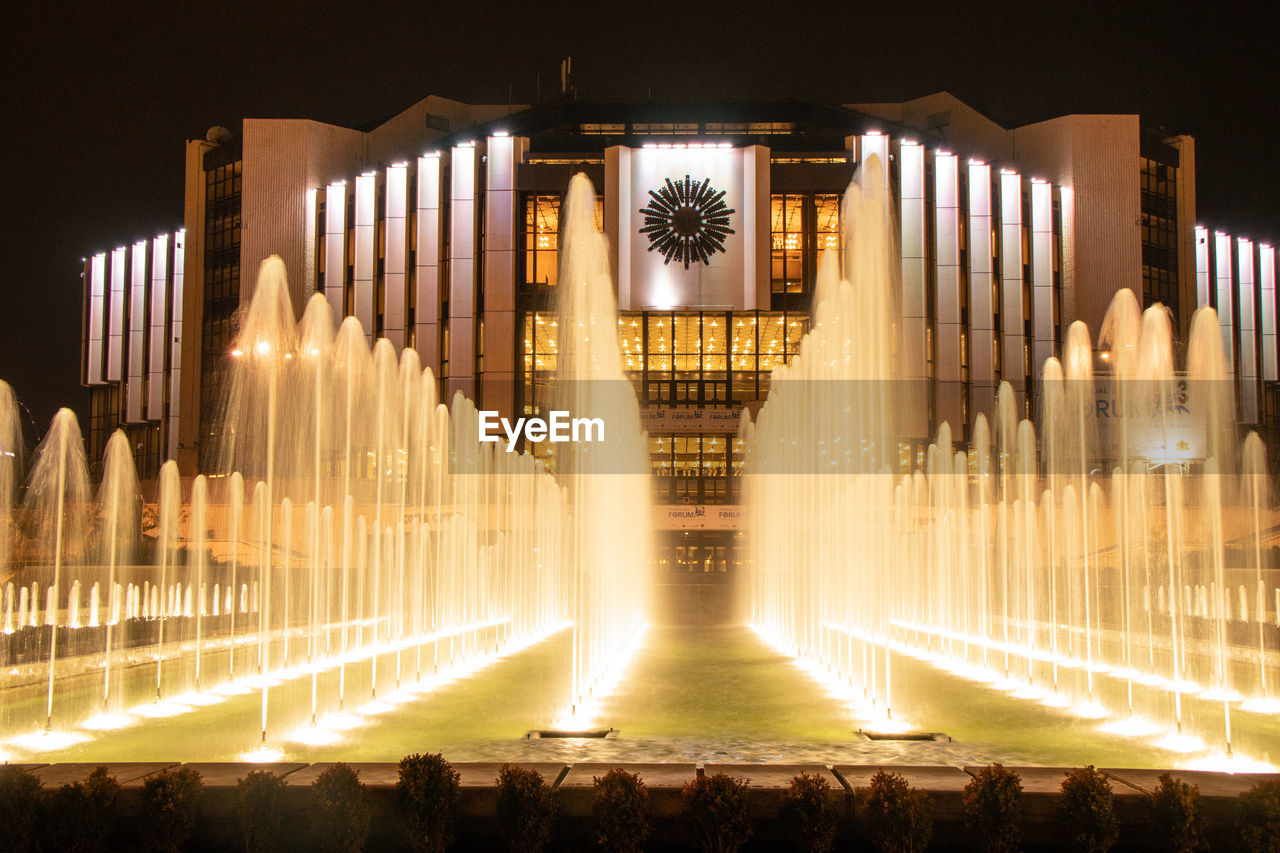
262 755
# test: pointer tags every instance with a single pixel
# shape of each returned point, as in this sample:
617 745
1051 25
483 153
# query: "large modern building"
438 229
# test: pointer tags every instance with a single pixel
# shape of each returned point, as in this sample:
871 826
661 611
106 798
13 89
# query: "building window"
786 218
802 226
219 324
1159 234
541 238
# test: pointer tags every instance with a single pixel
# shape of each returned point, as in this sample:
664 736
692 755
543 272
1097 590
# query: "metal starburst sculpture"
686 221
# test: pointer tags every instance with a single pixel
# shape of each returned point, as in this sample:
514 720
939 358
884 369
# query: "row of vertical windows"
1159 234
676 358
221 262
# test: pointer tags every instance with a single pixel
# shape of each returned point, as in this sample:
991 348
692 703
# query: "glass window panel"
826 215
659 342
713 343
687 340
542 228
631 341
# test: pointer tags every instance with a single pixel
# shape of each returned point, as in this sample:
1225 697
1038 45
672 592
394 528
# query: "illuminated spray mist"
1083 568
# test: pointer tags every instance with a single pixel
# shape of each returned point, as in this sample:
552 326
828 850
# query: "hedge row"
892 816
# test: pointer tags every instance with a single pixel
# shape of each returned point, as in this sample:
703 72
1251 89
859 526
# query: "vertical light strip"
462 259
335 247
915 316
621 202
502 152
982 322
175 338
137 331
1248 332
1202 266
157 336
1013 353
394 266
946 352
115 314
97 311
362 274
877 144
1222 274
426 298
310 238
1267 288
1046 336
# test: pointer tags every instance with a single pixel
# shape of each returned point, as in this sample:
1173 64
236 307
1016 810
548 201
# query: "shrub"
344 809
260 808
526 808
19 807
717 809
808 811
170 804
993 809
1086 810
1258 817
81 815
1178 810
899 817
428 794
621 811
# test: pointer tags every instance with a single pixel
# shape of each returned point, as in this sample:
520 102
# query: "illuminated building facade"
439 227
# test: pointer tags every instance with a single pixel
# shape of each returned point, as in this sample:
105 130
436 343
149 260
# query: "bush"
993 809
344 809
899 817
1178 812
526 808
170 805
717 808
1258 817
428 794
260 808
621 811
1086 811
82 816
809 814
19 807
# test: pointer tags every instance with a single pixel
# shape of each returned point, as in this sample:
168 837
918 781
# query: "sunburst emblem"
686 221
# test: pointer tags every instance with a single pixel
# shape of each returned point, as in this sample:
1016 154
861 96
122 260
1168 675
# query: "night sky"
101 99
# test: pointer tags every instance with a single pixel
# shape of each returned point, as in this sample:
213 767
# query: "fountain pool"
358 577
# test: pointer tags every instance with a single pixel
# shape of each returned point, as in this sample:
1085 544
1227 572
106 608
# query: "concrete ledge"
128 773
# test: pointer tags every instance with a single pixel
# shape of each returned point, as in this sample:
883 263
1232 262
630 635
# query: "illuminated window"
542 238
786 218
802 226
539 360
826 216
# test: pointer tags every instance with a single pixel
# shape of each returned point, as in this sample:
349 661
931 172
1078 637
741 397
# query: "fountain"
1094 578
354 552
384 548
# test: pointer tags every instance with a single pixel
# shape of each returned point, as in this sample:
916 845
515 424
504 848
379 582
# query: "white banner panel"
698 517
681 187
157 339
97 311
115 315
175 338
137 330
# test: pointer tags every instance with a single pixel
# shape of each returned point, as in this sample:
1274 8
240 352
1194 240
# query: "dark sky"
100 99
